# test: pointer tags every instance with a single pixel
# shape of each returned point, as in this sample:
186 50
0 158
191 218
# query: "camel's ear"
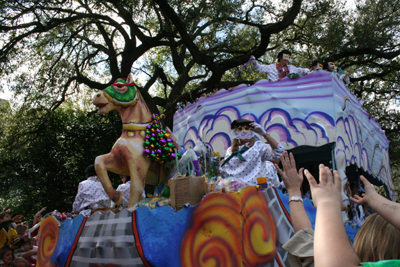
130 78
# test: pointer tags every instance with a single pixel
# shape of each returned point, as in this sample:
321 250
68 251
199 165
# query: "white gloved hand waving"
258 129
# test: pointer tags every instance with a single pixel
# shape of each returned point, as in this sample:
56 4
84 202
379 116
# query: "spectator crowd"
18 242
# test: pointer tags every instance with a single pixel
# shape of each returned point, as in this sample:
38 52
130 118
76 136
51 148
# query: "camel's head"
120 94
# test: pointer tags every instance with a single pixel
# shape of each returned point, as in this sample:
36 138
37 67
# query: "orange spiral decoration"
259 231
213 239
48 237
229 230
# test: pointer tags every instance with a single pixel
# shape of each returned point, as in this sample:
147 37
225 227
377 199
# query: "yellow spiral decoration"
230 230
47 242
259 231
213 239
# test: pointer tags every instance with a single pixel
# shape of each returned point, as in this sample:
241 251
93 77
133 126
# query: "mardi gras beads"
158 145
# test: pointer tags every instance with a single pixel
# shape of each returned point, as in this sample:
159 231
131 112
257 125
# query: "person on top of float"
330 65
281 69
246 158
317 65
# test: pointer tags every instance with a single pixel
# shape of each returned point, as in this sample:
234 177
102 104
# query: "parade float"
315 117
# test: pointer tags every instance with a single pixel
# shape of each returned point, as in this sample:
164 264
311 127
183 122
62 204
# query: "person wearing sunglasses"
281 69
246 158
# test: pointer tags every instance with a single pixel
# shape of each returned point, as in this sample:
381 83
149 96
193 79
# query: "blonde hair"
377 240
21 229
235 143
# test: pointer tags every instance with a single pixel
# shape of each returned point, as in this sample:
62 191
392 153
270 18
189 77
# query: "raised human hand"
328 189
291 178
17 219
370 192
257 128
40 211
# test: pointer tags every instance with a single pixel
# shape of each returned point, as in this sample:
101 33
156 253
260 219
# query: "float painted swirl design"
213 236
259 232
232 229
48 238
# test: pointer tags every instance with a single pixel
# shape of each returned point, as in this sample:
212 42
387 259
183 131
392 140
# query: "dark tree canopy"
92 43
45 171
54 49
184 45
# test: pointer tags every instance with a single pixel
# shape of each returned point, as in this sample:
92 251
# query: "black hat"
90 170
239 122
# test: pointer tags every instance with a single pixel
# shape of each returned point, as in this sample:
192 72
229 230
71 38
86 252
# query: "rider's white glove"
258 129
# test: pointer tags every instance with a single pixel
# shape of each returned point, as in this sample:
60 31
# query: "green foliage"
44 167
4 106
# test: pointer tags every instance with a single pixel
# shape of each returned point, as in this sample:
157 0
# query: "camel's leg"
101 164
138 170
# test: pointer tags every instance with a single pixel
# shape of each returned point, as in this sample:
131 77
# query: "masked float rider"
248 157
317 65
281 69
330 65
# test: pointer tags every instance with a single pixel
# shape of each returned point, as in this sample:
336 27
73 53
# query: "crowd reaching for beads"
377 242
18 242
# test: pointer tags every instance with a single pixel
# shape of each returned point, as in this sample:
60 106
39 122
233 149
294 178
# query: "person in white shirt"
281 69
125 189
246 158
91 194
272 173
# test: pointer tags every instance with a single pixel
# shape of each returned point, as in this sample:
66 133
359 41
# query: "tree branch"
371 76
367 51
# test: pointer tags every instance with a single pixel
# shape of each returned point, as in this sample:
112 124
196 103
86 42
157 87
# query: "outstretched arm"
270 69
331 245
17 218
293 180
29 254
389 210
37 215
301 71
